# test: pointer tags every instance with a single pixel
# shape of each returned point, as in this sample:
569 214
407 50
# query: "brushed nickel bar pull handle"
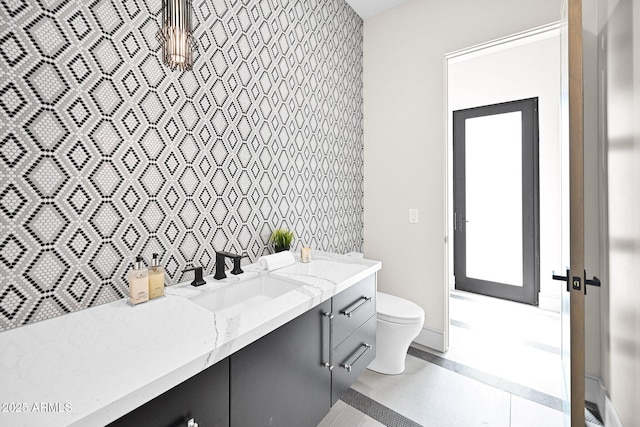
348 366
349 310
329 316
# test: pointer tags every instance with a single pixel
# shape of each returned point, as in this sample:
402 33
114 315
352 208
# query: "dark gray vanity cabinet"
353 339
203 398
294 375
281 380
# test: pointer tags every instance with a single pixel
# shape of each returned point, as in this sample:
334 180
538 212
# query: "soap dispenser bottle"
138 282
156 278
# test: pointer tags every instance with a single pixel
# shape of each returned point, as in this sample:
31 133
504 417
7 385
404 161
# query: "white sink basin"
235 298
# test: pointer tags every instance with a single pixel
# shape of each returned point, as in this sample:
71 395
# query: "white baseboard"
596 392
431 339
549 302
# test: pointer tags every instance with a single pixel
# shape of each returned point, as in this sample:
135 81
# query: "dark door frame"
528 293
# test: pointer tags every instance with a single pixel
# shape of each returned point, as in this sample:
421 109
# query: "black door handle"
592 282
562 278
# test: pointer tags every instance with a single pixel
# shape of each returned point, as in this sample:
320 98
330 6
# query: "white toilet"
399 322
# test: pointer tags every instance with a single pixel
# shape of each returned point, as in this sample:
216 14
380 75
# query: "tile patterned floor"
502 369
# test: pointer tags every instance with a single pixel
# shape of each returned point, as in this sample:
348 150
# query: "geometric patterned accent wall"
106 154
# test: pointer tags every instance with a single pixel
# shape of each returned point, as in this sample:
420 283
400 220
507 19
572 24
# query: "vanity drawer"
203 398
352 307
352 357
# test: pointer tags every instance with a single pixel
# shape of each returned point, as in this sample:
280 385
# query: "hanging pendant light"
175 35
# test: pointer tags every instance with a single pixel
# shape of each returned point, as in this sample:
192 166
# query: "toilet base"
387 368
393 341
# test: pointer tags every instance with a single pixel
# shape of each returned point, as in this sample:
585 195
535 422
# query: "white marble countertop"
92 366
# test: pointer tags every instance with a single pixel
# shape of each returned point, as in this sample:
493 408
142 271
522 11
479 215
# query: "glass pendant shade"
175 35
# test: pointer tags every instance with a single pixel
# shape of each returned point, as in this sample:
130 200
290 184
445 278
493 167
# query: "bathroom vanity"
290 377
284 361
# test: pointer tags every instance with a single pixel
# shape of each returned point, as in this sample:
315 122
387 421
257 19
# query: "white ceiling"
367 8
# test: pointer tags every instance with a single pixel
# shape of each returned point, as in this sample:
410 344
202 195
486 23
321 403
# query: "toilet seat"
393 309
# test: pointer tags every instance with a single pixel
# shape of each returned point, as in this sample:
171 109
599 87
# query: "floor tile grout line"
376 410
337 417
527 343
489 379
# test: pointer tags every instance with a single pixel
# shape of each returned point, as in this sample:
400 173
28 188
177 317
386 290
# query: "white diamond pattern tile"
110 155
47 129
46 176
152 107
46 224
105 54
152 216
47 83
107 15
152 143
106 260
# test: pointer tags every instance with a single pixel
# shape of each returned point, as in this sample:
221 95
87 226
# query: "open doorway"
519 67
514 342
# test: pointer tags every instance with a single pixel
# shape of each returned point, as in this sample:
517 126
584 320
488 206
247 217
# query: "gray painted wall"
618 53
404 86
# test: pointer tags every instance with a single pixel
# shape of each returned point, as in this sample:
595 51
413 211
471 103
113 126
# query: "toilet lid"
398 310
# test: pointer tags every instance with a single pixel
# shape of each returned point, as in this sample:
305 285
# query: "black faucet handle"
236 264
220 257
197 280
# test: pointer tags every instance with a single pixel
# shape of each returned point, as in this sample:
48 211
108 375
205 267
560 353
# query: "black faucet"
197 280
220 256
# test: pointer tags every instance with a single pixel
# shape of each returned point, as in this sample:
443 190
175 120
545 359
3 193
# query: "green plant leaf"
282 237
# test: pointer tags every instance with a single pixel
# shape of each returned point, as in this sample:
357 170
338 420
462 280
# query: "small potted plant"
281 239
